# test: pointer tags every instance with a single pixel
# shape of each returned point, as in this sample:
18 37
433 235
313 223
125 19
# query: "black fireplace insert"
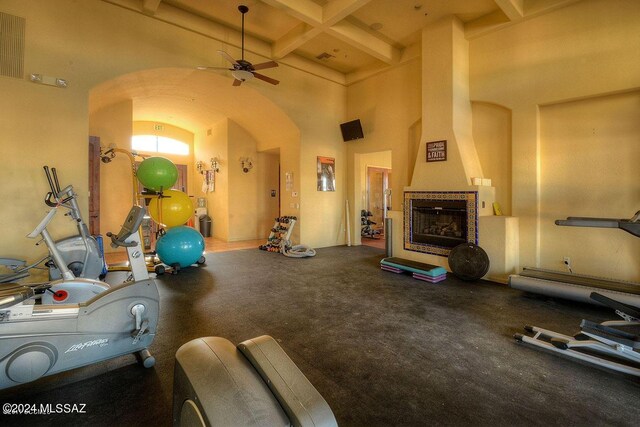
436 222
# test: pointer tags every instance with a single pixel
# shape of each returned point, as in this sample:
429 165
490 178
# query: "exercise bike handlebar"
66 196
46 171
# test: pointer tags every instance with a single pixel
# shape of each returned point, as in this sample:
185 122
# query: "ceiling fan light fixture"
242 75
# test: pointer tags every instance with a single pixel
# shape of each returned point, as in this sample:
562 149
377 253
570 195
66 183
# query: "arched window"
159 144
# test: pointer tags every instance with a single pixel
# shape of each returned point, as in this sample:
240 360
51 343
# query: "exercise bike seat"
255 384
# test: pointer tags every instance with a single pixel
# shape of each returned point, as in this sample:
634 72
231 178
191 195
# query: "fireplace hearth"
437 221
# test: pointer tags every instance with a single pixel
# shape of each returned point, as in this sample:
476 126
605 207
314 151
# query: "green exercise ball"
157 173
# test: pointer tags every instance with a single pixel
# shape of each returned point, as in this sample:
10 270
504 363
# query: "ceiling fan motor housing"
245 65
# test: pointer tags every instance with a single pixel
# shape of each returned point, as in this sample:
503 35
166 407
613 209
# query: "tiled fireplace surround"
437 221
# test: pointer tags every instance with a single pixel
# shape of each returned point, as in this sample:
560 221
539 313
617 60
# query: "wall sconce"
246 163
215 166
208 186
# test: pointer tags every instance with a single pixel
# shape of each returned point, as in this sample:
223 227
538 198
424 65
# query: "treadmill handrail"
631 226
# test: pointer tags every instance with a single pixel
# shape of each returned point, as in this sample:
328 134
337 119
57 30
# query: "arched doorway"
227 123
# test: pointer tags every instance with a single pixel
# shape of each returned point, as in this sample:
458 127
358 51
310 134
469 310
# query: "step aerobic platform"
420 271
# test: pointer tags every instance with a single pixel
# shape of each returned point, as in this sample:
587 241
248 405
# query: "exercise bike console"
130 226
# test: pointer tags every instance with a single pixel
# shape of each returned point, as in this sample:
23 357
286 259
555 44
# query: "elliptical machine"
39 339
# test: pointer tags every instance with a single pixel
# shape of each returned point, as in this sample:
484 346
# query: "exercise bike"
39 339
81 254
366 230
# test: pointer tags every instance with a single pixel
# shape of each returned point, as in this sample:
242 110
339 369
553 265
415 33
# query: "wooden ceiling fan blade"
237 82
203 68
228 57
264 65
266 79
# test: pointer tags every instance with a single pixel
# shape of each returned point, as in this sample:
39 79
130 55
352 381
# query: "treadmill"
579 287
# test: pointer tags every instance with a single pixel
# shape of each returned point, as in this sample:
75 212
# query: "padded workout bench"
421 271
216 383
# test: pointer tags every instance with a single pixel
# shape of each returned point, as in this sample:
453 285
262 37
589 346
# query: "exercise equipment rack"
279 239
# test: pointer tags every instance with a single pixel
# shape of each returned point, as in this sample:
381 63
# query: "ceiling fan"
244 70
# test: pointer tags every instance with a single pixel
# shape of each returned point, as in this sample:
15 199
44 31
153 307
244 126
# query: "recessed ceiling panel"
262 21
336 54
401 20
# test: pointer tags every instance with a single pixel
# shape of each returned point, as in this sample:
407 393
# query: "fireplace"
437 221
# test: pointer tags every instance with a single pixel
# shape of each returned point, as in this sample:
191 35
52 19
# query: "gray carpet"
383 349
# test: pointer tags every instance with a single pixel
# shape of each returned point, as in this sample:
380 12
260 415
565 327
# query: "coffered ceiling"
343 40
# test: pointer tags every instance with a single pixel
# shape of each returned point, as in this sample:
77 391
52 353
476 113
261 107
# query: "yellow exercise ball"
174 208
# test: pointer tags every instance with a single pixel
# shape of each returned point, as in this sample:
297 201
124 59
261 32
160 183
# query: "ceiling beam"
514 9
336 10
508 15
366 42
329 19
295 38
305 10
150 7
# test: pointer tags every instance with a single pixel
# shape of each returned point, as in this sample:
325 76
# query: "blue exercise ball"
180 245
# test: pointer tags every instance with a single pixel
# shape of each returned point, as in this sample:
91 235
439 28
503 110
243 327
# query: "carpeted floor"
383 349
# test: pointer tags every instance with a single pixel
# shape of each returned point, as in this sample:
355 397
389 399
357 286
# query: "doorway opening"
372 218
372 186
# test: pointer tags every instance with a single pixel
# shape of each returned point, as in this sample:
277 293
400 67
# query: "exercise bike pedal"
139 333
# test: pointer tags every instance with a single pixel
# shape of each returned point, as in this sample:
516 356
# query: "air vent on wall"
324 56
11 45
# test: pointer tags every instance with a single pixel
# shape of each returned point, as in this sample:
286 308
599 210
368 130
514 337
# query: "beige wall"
267 171
446 109
583 51
243 187
590 153
211 143
112 124
241 206
492 136
389 107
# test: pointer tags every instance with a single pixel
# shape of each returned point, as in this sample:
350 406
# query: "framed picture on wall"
437 151
326 173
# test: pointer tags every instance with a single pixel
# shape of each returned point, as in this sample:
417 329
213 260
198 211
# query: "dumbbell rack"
281 232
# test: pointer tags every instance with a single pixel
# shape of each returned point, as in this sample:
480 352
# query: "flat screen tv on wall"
351 130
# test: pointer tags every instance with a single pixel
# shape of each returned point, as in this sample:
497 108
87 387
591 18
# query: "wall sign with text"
437 151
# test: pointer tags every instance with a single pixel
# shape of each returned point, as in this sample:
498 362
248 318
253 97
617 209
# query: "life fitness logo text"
102 342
